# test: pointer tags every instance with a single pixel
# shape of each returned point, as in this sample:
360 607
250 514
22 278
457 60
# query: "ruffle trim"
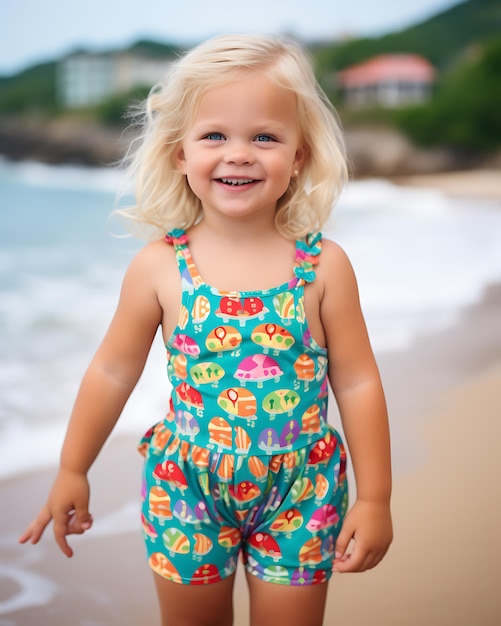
307 253
177 237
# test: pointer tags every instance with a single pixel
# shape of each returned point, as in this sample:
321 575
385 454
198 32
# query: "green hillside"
34 89
442 39
155 48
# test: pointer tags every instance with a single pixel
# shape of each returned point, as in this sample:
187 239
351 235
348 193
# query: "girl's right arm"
106 386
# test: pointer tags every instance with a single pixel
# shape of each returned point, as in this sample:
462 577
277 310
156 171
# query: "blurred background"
418 90
420 81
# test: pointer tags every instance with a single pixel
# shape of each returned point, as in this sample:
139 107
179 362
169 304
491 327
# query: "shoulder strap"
179 239
307 256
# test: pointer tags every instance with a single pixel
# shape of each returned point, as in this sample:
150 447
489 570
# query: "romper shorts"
202 508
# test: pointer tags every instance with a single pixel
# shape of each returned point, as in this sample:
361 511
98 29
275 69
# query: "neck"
237 231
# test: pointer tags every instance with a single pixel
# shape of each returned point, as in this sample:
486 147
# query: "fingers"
67 507
358 561
60 528
36 528
83 519
352 555
72 523
365 537
343 541
77 525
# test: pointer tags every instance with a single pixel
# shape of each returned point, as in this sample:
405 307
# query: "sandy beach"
485 183
444 395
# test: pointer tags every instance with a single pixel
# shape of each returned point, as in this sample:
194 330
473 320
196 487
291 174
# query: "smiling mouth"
236 182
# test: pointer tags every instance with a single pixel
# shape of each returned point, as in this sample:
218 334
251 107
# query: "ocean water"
419 258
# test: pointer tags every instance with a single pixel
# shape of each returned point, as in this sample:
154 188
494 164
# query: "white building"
389 80
88 78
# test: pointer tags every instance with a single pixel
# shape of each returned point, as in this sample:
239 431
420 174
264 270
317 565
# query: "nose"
238 153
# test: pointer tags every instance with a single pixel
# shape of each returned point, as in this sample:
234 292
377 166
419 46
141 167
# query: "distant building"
88 78
389 80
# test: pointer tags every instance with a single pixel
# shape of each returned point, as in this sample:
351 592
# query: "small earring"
296 173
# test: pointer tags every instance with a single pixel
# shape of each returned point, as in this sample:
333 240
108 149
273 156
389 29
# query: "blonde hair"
163 198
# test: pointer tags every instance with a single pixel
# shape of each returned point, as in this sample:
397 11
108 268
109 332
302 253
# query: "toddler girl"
240 162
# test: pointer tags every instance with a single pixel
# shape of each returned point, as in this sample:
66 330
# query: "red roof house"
389 80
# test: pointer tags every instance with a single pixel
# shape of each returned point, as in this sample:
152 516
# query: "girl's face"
243 147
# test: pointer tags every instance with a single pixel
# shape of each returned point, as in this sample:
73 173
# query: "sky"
34 31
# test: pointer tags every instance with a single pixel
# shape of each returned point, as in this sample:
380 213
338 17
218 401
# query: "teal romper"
245 461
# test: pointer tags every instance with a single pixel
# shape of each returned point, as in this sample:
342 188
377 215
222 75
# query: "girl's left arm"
357 387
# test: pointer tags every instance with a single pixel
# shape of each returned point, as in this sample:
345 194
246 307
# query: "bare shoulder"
332 251
152 253
153 281
155 260
335 269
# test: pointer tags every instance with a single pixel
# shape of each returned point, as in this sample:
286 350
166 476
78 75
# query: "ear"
299 159
180 159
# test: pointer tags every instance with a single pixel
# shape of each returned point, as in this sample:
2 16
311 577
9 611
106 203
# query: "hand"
369 525
67 506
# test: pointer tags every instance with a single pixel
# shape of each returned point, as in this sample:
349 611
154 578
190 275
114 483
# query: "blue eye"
264 138
214 136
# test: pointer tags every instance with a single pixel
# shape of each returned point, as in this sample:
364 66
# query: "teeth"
236 181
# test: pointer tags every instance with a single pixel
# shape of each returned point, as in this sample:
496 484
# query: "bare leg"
195 605
273 604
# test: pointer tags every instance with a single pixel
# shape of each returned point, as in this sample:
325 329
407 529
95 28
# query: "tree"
465 111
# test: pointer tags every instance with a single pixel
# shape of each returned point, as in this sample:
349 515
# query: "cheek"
281 173
197 175
193 183
197 162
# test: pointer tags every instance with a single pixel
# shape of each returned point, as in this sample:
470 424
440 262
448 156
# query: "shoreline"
482 183
434 390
